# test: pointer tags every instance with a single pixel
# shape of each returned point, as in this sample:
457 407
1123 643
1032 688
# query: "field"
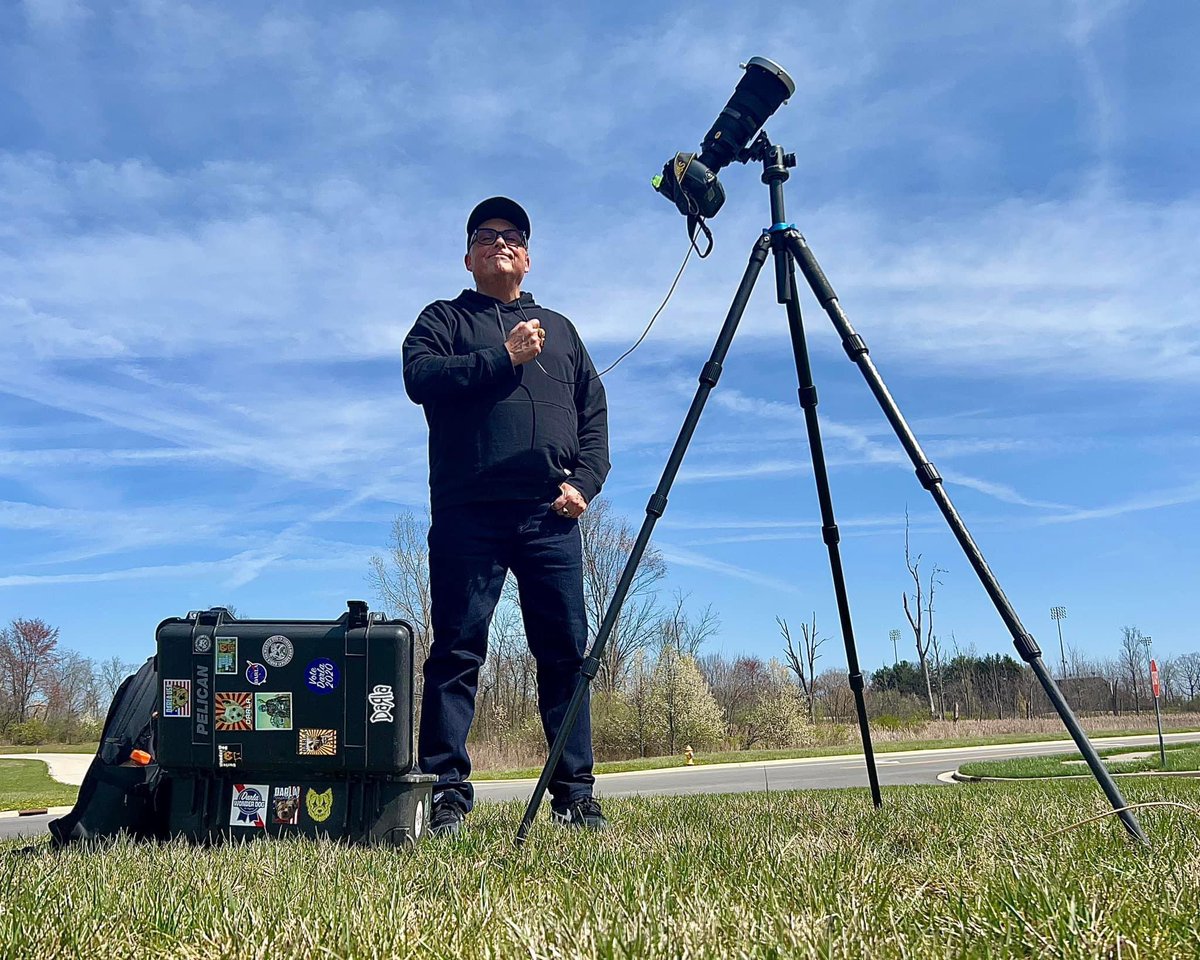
494 763
974 871
1180 757
25 784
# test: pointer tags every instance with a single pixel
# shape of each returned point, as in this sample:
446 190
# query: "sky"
219 220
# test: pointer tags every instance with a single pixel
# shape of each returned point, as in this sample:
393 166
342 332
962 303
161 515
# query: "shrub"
30 733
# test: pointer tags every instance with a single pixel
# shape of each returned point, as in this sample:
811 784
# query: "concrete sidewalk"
64 767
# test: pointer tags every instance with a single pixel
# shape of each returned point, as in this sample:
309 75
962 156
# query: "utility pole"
1058 615
895 637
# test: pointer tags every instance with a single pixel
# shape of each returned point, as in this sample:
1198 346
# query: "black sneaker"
446 820
583 814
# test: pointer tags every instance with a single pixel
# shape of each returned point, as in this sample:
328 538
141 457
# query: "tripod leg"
829 530
654 509
1027 647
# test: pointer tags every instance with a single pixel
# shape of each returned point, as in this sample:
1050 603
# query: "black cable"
662 306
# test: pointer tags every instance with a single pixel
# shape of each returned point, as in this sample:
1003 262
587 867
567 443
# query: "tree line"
50 694
658 690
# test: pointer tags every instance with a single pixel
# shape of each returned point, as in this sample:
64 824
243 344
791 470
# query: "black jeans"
471 548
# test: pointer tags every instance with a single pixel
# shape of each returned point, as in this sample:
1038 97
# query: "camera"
689 180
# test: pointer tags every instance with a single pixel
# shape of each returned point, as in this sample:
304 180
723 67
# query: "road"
906 767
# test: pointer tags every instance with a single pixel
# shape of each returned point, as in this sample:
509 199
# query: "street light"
1058 615
895 637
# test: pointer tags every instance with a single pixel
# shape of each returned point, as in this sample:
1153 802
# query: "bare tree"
607 542
507 689
110 674
916 611
1133 662
932 641
737 686
834 693
28 652
401 579
802 661
688 632
1189 668
1171 678
70 690
639 691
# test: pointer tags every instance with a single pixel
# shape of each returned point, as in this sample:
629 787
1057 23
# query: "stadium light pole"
1058 615
895 637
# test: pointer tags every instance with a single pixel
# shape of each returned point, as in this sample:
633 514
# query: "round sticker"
256 674
202 644
277 651
322 676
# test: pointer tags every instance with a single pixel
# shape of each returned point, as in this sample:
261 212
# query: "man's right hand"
525 341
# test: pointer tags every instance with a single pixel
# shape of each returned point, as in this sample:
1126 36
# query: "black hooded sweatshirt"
499 432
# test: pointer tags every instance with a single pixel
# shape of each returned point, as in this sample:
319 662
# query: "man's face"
499 260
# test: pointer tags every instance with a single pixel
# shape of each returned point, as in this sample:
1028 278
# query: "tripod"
789 248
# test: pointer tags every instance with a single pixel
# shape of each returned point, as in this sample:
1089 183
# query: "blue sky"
218 221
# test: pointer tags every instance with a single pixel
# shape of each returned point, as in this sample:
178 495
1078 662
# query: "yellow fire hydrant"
688 757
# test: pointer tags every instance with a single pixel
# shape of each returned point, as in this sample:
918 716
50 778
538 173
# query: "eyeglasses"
485 237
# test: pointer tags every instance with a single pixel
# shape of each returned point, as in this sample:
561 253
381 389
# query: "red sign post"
1156 689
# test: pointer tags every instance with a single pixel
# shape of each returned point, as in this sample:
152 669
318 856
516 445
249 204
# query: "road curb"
969 778
40 811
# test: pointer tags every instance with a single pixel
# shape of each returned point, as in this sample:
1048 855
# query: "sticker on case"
177 698
317 743
277 651
234 711
382 702
227 655
285 804
256 673
319 805
272 711
248 808
322 676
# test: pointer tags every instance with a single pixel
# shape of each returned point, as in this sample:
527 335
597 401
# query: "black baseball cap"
498 208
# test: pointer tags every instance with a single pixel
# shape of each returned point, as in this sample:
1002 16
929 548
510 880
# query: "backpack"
118 794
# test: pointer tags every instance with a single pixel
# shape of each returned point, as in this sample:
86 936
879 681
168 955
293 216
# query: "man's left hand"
570 504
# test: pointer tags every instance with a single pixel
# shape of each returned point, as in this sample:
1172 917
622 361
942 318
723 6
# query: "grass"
25 785
757 756
1180 757
52 748
938 872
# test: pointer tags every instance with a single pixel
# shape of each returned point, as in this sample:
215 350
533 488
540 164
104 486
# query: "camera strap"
694 222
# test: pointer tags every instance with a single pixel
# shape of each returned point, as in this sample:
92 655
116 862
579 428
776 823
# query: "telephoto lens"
762 90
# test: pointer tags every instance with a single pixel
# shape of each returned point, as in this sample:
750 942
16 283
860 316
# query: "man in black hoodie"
518 447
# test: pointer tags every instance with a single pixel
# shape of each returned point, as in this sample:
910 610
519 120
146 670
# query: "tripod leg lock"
1028 648
928 474
855 347
830 535
857 683
710 374
657 505
590 667
808 396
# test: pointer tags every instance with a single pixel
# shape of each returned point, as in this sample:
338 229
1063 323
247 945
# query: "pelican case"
270 727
